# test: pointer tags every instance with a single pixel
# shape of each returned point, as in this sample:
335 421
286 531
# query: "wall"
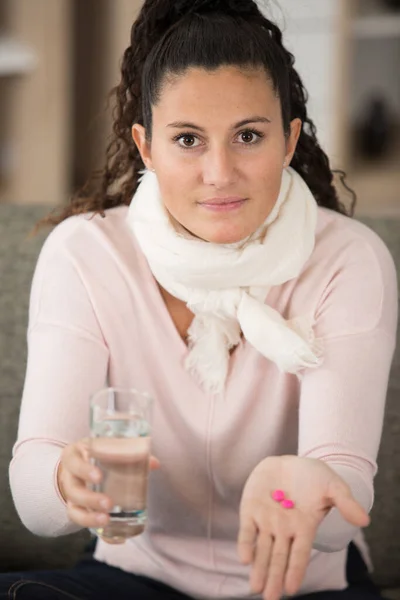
375 70
102 33
38 115
54 125
313 32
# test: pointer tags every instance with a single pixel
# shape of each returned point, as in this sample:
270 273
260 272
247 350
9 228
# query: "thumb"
341 497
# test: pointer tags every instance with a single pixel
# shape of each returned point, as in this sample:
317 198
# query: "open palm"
277 541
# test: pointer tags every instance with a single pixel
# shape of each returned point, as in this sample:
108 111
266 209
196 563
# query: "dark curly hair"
167 38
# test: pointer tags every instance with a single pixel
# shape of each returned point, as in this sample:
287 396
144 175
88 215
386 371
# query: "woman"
238 293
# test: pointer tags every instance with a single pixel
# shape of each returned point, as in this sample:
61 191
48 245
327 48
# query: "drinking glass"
120 447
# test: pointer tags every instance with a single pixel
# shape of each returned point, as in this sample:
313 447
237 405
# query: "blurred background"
59 59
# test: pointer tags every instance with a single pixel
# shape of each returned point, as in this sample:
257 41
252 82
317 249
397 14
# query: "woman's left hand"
277 541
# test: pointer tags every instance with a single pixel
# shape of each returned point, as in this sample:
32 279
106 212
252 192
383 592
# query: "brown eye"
247 137
187 141
250 137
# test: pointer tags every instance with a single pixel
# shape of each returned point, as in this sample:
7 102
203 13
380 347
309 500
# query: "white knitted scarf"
225 285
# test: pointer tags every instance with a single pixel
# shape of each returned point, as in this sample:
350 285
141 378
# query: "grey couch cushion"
19 549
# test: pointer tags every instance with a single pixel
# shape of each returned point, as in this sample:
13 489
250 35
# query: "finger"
84 447
350 509
81 448
79 495
246 541
154 463
277 568
299 557
259 571
85 518
74 462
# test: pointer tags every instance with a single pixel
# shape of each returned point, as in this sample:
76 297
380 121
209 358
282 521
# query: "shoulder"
355 274
88 230
84 260
90 252
339 236
92 243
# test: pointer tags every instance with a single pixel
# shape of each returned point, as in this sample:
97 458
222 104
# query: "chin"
225 235
227 239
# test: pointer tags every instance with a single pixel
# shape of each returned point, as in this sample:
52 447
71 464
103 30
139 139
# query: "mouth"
223 204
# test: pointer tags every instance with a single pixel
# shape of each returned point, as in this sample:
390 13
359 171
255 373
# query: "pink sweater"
97 317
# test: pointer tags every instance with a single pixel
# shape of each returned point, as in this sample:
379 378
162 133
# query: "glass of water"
120 447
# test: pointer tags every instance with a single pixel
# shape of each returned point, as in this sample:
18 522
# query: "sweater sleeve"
67 362
342 403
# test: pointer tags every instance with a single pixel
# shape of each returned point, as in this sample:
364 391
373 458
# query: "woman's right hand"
85 507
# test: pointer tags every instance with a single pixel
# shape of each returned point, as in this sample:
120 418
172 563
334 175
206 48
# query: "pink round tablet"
278 495
287 504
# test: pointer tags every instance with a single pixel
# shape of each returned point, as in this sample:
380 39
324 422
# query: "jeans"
93 580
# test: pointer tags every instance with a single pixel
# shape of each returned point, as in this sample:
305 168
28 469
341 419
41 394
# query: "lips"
222 201
227 204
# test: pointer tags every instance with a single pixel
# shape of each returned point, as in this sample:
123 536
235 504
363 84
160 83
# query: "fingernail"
104 504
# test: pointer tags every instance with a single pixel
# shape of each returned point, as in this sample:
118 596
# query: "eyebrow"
188 125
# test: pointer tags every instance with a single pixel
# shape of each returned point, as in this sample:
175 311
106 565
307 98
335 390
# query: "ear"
295 130
139 137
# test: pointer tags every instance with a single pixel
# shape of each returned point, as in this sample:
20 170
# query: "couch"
20 549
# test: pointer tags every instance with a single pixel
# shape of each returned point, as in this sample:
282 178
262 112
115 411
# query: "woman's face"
218 149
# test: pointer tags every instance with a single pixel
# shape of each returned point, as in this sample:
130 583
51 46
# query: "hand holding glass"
120 447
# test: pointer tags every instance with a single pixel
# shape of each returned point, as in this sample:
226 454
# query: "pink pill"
278 495
287 504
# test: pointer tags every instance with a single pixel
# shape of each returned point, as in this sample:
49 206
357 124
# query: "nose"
219 168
